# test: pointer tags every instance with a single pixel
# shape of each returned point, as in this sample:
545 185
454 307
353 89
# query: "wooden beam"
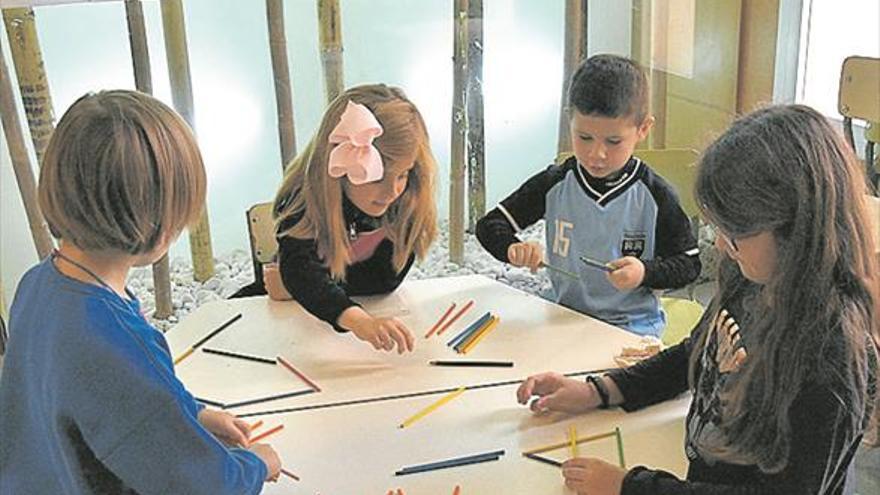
459 134
24 44
21 162
476 154
757 54
330 32
181 93
575 50
281 78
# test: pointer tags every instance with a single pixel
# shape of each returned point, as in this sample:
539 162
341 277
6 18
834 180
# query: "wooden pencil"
246 357
256 425
545 460
289 474
462 311
296 372
555 446
473 333
440 321
473 364
480 336
470 329
449 463
620 447
206 338
270 398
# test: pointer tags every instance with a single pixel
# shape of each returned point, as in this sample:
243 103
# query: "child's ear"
645 127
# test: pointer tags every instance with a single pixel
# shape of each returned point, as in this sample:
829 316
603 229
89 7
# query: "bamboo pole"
143 80
181 93
28 59
21 162
476 156
330 30
459 136
643 49
575 50
281 78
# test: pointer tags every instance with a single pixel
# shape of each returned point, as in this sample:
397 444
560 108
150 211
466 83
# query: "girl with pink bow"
354 210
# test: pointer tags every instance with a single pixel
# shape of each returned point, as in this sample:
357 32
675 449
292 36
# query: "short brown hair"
120 171
610 86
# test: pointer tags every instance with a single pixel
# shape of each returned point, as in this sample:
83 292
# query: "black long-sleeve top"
822 441
308 279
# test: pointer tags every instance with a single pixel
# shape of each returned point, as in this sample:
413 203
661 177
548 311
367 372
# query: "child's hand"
226 427
528 254
557 393
385 333
270 458
592 476
628 273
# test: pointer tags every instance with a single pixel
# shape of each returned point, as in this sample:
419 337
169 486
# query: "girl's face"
755 254
374 198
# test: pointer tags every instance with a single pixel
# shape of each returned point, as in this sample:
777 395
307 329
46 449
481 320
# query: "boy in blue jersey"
90 402
602 203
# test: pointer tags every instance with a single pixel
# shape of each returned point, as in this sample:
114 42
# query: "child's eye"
613 142
586 138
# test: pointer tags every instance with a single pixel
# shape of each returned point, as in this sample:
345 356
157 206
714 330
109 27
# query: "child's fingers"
398 337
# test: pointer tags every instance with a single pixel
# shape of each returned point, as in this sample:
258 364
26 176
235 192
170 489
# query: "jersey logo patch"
633 244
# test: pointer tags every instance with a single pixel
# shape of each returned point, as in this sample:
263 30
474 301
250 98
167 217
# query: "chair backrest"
261 229
859 94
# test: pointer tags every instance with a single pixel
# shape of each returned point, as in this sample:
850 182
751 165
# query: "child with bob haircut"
90 400
354 210
602 203
783 365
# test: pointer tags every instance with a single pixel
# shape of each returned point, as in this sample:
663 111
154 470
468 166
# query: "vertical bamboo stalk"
476 156
459 137
21 162
143 80
330 28
575 50
181 94
643 49
28 59
281 78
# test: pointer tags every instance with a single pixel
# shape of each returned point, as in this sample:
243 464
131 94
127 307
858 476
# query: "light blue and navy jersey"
635 213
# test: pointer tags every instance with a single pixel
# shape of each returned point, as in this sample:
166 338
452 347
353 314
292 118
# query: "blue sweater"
89 402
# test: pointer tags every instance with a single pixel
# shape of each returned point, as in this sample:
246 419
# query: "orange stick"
296 372
288 473
256 425
457 316
440 321
265 434
457 490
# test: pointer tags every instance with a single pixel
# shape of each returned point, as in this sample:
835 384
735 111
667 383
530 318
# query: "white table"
352 449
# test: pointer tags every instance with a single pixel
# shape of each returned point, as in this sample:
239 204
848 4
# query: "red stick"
440 321
296 372
457 316
288 473
265 434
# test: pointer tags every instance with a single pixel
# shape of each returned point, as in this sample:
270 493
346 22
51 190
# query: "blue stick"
469 330
459 461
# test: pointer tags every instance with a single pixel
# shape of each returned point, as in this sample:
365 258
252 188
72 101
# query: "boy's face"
603 145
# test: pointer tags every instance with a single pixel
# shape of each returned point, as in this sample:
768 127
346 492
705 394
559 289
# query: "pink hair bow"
354 154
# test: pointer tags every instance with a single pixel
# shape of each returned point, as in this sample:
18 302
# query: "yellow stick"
565 444
424 412
183 356
493 322
572 440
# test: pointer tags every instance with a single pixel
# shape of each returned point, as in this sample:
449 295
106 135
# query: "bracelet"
601 389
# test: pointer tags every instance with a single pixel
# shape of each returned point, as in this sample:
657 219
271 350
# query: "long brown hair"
309 192
784 169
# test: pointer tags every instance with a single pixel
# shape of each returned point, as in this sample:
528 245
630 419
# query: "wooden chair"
264 251
859 98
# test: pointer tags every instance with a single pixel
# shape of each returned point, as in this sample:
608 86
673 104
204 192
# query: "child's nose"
597 151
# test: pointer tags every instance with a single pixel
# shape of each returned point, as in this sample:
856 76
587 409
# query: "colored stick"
473 327
620 447
560 270
183 356
431 408
555 446
460 461
458 346
210 402
480 336
265 434
597 264
246 357
473 364
289 474
545 460
256 425
206 338
572 440
296 372
270 398
462 311
440 321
